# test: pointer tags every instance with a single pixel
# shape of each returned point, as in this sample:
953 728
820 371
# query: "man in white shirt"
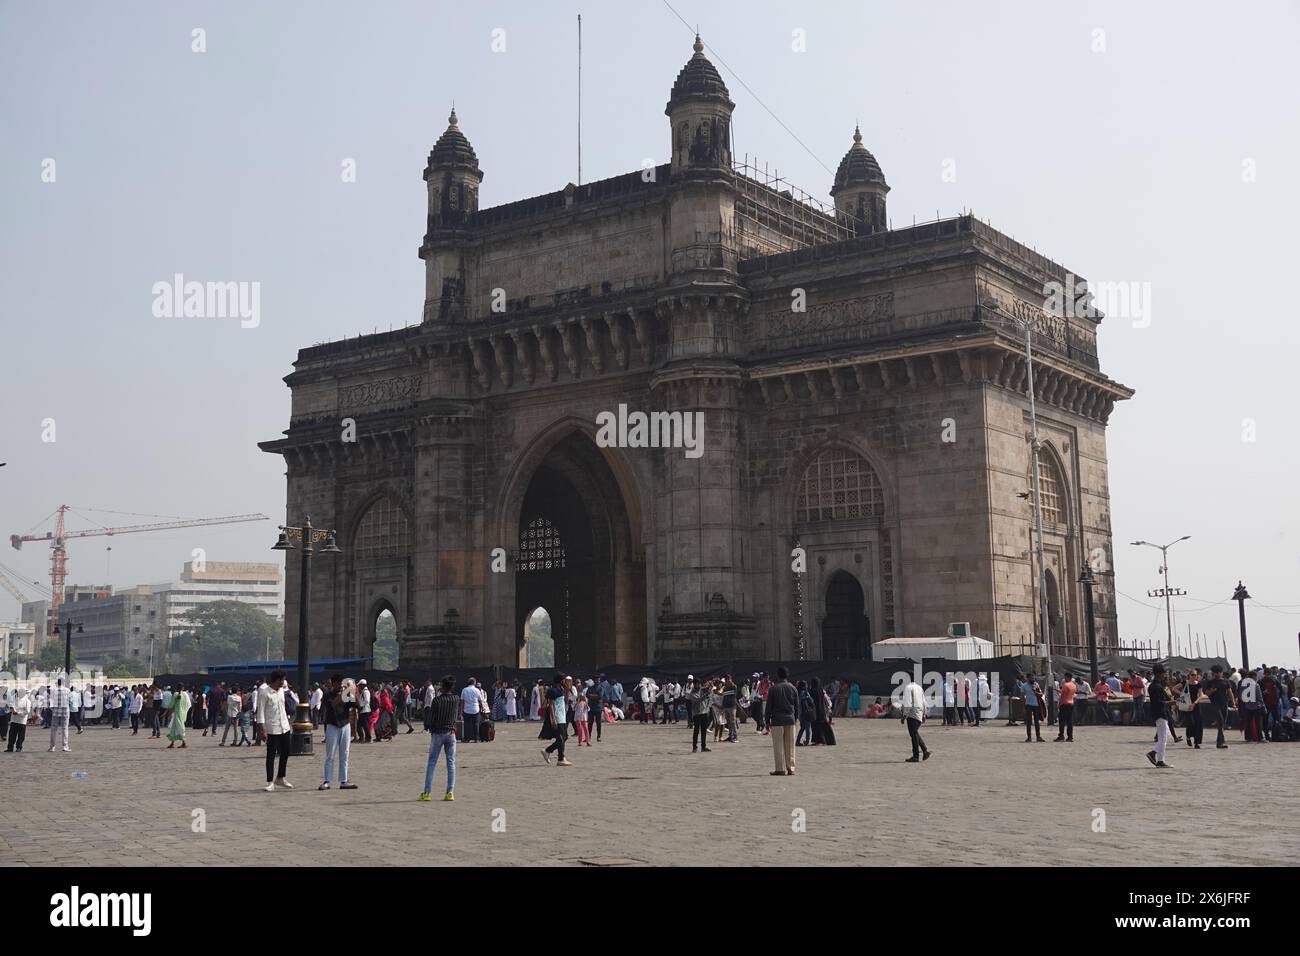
363 712
912 705
270 713
135 708
74 707
60 702
20 710
317 695
234 704
473 700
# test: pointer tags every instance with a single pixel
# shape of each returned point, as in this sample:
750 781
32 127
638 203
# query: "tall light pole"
1038 501
1241 596
300 744
67 644
1086 579
1166 592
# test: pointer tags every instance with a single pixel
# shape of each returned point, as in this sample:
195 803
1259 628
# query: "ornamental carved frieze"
844 314
384 391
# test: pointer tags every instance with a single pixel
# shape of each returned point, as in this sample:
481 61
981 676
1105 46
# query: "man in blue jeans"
442 728
337 715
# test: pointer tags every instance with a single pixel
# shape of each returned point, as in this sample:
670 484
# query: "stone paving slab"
641 796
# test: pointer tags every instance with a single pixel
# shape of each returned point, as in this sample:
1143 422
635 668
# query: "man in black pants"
595 711
1218 690
698 700
1065 709
558 719
270 713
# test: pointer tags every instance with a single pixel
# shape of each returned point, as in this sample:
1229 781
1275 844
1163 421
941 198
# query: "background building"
139 623
260 584
16 639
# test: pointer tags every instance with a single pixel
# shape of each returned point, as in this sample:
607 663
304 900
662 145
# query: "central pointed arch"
573 515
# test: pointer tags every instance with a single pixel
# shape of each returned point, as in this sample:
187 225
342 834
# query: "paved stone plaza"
641 795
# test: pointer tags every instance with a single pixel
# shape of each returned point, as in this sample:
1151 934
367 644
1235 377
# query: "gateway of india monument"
864 459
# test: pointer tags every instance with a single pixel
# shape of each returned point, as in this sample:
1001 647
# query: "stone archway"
845 628
377 610
575 558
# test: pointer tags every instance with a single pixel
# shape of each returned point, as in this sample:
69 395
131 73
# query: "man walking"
556 699
60 701
1160 698
782 712
336 714
1065 729
234 704
1218 690
20 711
912 707
442 728
729 694
475 701
270 713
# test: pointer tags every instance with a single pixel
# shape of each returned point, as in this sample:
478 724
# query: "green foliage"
120 667
224 631
49 656
385 649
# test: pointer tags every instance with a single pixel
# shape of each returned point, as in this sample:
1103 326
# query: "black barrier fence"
874 678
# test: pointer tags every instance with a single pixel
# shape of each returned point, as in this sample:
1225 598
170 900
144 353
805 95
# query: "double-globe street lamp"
300 744
68 625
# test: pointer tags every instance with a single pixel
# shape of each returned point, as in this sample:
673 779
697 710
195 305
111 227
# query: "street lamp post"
1166 592
1241 596
300 744
1087 581
67 644
1038 502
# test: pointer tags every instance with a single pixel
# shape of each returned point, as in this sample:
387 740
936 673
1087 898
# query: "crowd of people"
793 714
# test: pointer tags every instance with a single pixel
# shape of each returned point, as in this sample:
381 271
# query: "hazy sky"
1161 150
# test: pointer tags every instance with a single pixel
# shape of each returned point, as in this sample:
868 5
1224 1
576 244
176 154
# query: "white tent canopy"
917 648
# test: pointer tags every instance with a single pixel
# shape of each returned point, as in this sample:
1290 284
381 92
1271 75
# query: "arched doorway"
1053 605
383 641
538 649
575 560
844 628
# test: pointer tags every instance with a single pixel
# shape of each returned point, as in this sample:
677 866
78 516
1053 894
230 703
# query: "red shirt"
1068 690
1102 690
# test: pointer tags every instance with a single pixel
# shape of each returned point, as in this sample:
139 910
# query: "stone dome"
452 148
858 167
699 78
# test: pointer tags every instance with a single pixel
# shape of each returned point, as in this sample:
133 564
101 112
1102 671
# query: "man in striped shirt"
442 728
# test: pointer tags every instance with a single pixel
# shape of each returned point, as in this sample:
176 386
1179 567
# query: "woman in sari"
855 700
180 709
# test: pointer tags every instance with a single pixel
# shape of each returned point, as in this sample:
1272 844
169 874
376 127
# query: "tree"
50 655
120 667
225 631
385 649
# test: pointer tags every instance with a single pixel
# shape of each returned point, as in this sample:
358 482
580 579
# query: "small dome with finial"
452 148
858 167
699 78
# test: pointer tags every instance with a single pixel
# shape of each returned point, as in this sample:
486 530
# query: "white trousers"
1162 738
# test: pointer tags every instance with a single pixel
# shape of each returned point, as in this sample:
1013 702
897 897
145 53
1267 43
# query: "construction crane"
59 552
13 582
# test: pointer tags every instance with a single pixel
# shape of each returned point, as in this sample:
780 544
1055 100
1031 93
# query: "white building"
260 584
16 639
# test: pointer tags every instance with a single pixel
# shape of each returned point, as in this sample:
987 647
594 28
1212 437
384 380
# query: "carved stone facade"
864 408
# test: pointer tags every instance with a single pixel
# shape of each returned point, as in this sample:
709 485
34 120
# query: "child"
245 719
580 711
